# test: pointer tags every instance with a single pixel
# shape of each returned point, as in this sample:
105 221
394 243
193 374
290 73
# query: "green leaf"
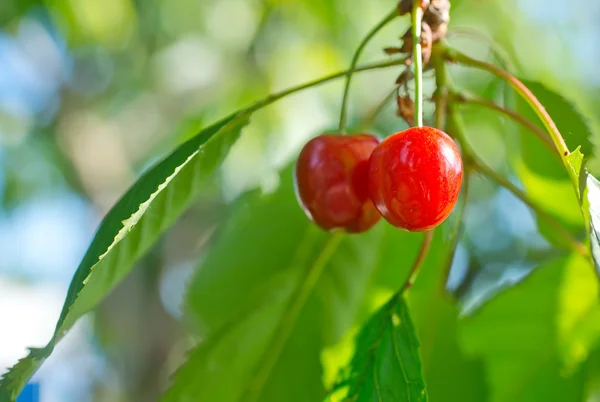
265 301
152 204
387 365
12 382
575 165
530 335
397 251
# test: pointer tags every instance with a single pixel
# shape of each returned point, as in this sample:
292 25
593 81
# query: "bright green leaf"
146 211
575 164
387 365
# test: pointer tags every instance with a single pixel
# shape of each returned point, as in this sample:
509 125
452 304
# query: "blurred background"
92 92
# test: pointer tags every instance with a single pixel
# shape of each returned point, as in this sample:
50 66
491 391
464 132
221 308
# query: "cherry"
415 178
331 182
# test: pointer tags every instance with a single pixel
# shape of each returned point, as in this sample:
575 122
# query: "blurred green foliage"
274 307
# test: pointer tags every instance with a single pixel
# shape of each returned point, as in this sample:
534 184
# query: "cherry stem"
416 267
416 20
529 97
475 100
354 62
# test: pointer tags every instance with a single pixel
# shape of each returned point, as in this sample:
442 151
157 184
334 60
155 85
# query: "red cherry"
415 178
331 182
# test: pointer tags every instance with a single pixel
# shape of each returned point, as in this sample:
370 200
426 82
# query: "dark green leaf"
152 204
387 365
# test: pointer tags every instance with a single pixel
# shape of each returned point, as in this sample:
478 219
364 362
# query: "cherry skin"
415 178
331 182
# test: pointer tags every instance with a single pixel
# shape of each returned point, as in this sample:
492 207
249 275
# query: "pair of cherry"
412 179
